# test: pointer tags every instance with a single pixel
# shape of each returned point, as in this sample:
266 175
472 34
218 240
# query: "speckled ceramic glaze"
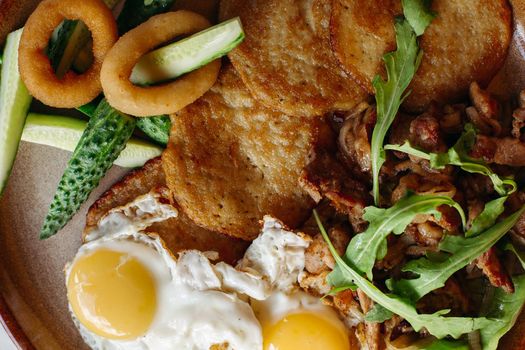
33 305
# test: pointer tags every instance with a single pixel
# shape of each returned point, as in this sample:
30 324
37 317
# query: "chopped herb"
458 155
401 66
436 324
366 247
434 274
487 217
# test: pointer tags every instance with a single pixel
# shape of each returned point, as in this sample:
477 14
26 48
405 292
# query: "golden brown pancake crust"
466 42
286 61
230 161
179 233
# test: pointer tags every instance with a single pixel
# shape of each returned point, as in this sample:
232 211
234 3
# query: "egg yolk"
305 331
112 294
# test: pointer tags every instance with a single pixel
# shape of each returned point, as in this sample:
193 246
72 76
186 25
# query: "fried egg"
127 291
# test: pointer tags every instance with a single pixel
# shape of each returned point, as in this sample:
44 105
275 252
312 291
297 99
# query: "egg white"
201 304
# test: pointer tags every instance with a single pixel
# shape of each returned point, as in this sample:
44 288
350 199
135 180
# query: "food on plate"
65 133
110 129
362 32
117 68
230 160
72 90
68 40
285 60
158 301
93 156
289 210
14 104
178 233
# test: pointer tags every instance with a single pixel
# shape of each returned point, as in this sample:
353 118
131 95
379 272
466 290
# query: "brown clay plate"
33 305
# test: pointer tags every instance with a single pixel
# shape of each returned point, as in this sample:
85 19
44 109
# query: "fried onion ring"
167 98
72 90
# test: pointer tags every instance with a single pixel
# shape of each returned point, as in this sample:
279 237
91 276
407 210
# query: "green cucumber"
14 104
135 12
68 39
65 133
102 141
188 54
157 128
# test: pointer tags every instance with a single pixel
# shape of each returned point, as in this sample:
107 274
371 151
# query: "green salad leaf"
444 344
504 308
433 274
487 217
436 324
458 155
378 314
401 66
418 14
366 247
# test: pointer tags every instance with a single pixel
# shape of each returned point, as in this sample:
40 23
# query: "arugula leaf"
443 344
458 155
378 314
366 247
487 217
418 14
435 323
504 308
503 313
519 254
433 275
401 66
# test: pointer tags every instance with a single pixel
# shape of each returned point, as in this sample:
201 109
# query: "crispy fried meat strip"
326 177
425 132
451 122
504 151
484 113
372 330
518 119
491 266
318 257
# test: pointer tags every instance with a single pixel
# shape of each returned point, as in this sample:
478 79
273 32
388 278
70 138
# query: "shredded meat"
518 119
425 132
485 112
373 330
324 176
354 137
451 122
504 151
491 266
317 255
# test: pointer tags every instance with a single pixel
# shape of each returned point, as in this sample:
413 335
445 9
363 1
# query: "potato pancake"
230 160
286 61
179 233
467 41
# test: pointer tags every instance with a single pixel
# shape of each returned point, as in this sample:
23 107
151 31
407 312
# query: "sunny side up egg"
127 291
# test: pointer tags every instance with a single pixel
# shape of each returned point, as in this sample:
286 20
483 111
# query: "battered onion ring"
35 69
168 98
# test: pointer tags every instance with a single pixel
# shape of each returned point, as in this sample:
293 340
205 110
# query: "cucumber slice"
65 133
14 104
157 128
101 142
70 37
188 54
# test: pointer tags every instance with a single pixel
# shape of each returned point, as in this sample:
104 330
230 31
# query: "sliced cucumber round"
188 54
65 132
14 104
